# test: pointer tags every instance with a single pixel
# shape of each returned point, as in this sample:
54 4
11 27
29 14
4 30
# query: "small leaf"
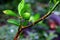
27 6
31 19
25 9
36 16
13 21
9 12
26 16
21 6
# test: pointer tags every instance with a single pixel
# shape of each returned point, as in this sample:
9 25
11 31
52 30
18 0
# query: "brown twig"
45 16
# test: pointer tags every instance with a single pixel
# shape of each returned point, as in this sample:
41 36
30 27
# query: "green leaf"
13 21
21 6
31 19
10 13
25 9
27 6
36 16
26 16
